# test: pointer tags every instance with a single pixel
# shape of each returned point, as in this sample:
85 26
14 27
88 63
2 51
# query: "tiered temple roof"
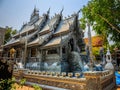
44 31
47 31
28 30
56 41
64 25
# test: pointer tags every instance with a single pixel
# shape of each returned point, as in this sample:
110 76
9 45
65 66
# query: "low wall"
102 80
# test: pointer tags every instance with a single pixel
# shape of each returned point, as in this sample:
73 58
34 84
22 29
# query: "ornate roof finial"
55 14
68 16
61 11
78 11
35 7
48 11
35 10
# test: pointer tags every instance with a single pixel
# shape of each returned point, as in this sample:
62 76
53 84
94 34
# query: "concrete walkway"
23 88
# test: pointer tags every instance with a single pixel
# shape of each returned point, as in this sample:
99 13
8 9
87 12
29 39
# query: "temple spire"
48 11
61 11
35 12
35 8
78 11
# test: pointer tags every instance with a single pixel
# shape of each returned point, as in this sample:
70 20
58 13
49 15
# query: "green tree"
104 16
9 33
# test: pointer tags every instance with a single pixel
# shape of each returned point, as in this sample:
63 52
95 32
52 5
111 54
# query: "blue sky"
14 12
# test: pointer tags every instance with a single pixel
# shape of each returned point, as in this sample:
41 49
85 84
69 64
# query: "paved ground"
30 88
23 88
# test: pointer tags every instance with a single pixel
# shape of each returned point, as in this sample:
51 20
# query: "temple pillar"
30 52
60 52
29 55
61 59
22 56
67 50
38 55
42 60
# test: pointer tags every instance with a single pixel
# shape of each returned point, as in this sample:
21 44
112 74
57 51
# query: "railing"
33 63
54 79
33 59
52 57
102 80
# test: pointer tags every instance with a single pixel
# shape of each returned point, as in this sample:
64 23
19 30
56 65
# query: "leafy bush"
7 84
